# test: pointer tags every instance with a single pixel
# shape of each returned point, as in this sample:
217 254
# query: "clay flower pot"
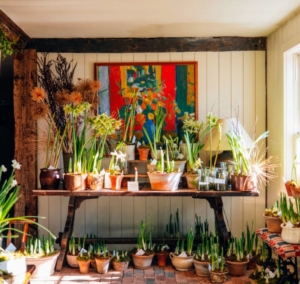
72 260
273 224
218 276
95 181
243 183
143 153
182 263
164 181
75 182
142 261
202 267
237 268
120 266
290 235
84 266
116 181
50 178
162 258
102 265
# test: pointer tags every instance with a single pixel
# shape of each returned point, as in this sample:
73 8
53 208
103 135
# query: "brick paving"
153 275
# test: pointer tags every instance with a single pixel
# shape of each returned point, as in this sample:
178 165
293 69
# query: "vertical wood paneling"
222 82
237 104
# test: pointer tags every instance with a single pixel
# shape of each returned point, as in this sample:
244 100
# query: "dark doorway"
6 114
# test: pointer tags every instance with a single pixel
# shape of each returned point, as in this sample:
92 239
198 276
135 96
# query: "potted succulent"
194 133
273 218
290 220
164 177
120 261
143 254
236 258
182 259
162 253
41 253
102 257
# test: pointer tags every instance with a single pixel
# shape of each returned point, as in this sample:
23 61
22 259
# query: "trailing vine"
6 45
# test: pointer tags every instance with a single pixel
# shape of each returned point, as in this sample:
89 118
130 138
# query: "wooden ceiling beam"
12 30
131 45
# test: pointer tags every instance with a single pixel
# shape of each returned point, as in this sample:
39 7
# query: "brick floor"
153 275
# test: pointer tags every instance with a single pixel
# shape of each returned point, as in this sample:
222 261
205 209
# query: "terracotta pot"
142 261
75 182
218 276
162 258
72 260
192 180
290 235
182 263
116 181
202 267
102 265
95 181
237 268
243 183
120 266
273 224
288 189
143 153
50 179
44 266
164 181
84 266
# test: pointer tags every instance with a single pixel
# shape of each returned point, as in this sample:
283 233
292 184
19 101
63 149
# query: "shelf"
144 192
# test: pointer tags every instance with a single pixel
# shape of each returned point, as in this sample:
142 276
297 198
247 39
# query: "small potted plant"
73 252
273 218
164 177
41 253
143 254
162 253
290 220
218 272
237 258
202 258
84 258
182 259
102 257
292 186
143 150
121 260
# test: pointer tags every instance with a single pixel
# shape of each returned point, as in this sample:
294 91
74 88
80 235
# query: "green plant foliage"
6 45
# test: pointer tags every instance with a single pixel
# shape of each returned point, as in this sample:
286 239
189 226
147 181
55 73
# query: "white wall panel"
226 82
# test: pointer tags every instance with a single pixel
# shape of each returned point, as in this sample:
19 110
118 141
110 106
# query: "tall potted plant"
143 254
164 177
120 261
251 168
182 259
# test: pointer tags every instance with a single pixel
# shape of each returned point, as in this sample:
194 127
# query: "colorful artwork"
169 88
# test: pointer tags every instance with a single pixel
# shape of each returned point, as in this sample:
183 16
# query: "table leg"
216 204
67 232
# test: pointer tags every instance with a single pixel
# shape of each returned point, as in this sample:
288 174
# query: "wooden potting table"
214 199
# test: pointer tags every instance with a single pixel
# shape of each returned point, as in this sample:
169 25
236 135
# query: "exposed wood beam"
131 45
12 30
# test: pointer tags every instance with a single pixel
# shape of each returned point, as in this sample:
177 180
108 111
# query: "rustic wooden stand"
214 199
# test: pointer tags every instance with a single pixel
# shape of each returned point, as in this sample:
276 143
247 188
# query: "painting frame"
179 79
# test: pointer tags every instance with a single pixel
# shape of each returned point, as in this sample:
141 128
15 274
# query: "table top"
145 192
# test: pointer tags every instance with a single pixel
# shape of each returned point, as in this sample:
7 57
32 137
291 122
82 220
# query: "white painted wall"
227 81
280 105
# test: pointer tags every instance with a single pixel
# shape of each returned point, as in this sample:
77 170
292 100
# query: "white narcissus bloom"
16 165
3 169
14 183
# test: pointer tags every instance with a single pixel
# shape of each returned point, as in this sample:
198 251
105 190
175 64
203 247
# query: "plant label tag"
183 254
133 139
271 274
289 225
51 168
153 163
249 256
219 180
138 144
140 252
82 251
10 248
132 186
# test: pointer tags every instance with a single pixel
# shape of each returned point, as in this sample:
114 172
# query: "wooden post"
25 80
